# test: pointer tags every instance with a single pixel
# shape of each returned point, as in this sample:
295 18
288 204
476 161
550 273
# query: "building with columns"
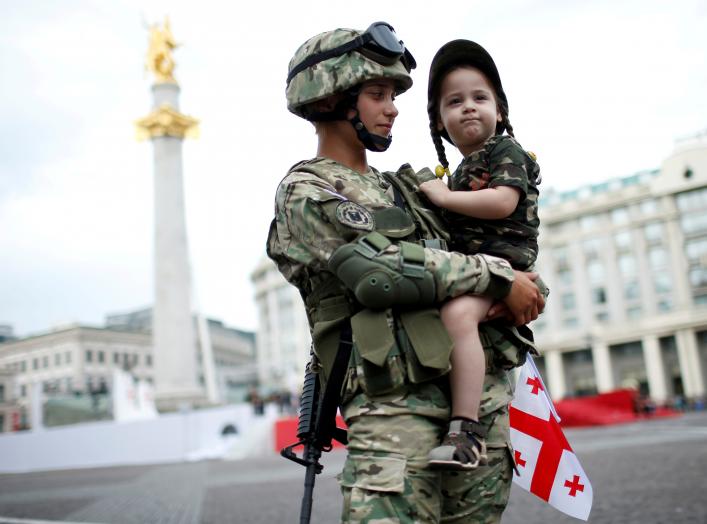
78 360
626 263
283 340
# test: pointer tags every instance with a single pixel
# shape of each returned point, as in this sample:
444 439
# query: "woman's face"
376 106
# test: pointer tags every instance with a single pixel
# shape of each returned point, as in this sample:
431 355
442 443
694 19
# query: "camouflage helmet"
340 72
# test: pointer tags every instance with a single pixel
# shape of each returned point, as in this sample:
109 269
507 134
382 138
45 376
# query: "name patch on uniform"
354 215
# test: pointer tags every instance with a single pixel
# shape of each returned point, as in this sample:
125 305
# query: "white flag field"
545 463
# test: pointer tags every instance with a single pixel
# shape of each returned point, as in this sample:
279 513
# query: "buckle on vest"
412 260
372 245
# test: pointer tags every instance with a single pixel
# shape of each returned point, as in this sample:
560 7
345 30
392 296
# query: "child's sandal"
463 447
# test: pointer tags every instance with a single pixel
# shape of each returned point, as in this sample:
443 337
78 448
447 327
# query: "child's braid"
505 122
436 137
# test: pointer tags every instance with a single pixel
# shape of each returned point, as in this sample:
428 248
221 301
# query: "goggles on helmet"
379 43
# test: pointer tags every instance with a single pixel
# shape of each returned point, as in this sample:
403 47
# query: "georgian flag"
545 463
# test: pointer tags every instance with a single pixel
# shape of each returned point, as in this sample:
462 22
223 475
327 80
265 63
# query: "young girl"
492 209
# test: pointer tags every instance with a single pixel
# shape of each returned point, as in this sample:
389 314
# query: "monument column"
173 336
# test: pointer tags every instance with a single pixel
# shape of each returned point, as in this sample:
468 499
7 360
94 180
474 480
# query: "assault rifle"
317 419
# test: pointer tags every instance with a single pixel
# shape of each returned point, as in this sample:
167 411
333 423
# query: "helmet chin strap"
372 142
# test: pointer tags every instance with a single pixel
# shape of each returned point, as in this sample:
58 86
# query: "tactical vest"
392 346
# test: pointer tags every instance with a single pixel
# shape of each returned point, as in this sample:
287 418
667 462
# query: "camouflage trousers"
386 481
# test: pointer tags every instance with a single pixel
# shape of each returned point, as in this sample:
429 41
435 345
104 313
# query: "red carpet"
614 407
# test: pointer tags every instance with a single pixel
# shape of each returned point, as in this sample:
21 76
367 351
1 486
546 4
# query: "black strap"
331 396
398 197
325 55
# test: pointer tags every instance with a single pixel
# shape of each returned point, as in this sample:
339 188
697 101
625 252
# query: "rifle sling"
331 397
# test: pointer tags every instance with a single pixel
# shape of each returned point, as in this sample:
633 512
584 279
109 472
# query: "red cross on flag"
545 463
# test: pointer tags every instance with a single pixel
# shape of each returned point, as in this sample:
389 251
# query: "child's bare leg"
461 317
464 445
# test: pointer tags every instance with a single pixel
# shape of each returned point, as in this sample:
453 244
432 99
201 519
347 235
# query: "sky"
596 89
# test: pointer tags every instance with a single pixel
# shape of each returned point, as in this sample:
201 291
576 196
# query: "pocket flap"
372 335
428 336
384 473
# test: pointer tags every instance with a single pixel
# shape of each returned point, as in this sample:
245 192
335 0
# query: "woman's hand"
436 190
524 302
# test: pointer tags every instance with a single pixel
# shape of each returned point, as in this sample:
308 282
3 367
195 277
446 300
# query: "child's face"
376 106
468 109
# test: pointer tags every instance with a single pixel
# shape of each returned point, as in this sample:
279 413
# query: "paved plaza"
647 472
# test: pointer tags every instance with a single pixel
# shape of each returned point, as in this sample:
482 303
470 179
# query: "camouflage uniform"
395 396
391 432
501 162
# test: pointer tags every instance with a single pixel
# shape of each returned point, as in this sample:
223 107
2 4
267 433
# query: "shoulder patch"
355 216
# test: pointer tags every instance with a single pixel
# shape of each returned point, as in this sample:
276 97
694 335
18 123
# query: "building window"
23 366
23 390
595 270
565 276
570 322
619 216
658 258
89 355
694 222
665 305
690 200
653 232
148 360
649 207
634 312
589 222
2 394
599 295
622 240
568 301
68 357
45 361
627 265
592 247
101 357
57 359
662 282
561 258
632 290
35 363
116 358
602 316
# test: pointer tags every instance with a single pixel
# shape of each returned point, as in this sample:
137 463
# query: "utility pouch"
379 366
329 318
426 344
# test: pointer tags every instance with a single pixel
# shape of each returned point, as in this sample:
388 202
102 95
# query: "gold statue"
159 54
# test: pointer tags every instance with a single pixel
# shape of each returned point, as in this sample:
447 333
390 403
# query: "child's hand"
436 190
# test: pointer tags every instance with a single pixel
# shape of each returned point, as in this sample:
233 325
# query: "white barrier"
173 437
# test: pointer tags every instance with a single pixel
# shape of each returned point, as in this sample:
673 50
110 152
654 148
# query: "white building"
283 340
9 409
80 359
626 263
